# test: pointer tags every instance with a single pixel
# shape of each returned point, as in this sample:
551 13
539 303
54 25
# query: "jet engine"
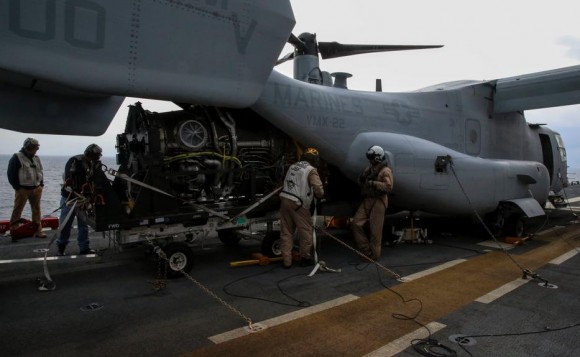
208 156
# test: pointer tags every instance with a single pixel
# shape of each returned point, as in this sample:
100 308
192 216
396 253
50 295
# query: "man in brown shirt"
301 184
376 182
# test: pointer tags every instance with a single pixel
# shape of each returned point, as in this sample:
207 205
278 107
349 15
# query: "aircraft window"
561 147
563 154
559 140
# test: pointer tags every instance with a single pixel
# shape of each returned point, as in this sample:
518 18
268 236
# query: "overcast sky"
483 40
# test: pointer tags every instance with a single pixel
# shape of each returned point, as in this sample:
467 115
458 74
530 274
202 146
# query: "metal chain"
161 282
397 276
164 257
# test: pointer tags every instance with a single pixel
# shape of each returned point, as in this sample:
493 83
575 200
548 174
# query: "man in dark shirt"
76 170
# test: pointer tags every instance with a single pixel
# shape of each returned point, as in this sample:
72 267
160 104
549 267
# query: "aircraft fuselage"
494 157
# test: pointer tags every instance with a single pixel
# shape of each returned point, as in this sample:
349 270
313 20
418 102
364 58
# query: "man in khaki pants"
301 184
26 177
376 182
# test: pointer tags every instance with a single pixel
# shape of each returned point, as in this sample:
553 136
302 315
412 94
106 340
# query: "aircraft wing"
52 53
538 90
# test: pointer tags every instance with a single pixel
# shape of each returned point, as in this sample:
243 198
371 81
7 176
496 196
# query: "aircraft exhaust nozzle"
340 79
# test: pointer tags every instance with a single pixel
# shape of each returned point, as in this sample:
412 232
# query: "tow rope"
259 202
46 283
142 184
363 256
320 264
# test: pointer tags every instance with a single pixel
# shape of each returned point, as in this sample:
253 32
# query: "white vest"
30 173
296 187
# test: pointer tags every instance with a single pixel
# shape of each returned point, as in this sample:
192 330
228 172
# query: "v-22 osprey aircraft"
457 148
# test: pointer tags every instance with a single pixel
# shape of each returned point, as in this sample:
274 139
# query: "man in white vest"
301 184
26 177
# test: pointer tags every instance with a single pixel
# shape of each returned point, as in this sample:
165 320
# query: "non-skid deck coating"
364 325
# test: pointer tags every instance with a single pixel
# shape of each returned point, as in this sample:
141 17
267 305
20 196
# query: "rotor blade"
287 57
335 49
296 42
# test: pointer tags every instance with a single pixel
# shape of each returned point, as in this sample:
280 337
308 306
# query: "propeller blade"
335 49
296 42
288 57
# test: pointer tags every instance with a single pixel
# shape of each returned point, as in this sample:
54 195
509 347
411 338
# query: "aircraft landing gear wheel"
496 223
229 237
179 257
271 244
514 226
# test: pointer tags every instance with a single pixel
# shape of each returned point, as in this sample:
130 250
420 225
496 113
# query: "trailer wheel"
229 237
271 244
179 258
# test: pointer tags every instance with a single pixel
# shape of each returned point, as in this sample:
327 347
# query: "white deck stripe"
574 209
562 258
496 245
230 335
404 342
66 257
433 270
574 199
501 291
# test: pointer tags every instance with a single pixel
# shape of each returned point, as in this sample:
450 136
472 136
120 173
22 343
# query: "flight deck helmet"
375 154
310 155
93 152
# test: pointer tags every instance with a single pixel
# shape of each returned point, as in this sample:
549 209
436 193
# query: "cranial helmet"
29 143
375 154
310 155
93 151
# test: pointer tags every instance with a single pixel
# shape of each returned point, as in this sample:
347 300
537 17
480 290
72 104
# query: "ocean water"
53 169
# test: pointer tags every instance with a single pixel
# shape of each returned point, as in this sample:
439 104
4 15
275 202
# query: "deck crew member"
301 184
26 177
76 172
376 181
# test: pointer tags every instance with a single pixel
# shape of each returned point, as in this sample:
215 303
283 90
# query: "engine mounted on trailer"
182 160
187 173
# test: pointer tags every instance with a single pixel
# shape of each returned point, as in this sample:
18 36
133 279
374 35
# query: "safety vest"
296 187
30 173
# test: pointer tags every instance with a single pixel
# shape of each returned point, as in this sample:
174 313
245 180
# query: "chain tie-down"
251 327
